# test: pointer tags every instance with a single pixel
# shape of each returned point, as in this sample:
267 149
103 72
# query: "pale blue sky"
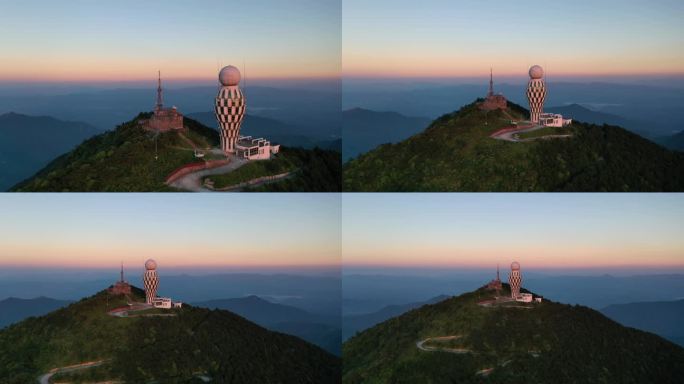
96 230
91 40
445 37
542 230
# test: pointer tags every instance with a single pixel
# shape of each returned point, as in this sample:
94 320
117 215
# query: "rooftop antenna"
159 92
122 276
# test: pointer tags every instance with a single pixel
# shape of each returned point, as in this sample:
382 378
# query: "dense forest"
455 153
213 343
543 342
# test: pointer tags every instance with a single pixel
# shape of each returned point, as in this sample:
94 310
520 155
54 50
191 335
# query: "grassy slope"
319 171
456 154
575 344
225 346
121 160
252 170
80 332
546 131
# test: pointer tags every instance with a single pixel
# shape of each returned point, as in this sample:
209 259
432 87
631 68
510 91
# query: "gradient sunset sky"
128 40
178 230
442 38
554 230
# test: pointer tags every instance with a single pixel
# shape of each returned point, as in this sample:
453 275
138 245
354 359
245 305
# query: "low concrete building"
525 298
553 120
251 148
166 303
161 302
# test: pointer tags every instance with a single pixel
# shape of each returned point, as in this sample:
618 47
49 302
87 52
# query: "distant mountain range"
640 127
28 143
316 293
317 108
323 331
278 132
675 141
363 129
456 153
357 323
656 104
183 345
457 340
366 293
13 309
586 115
664 318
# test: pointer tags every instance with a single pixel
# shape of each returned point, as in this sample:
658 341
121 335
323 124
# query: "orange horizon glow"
485 74
28 72
539 258
132 265
393 67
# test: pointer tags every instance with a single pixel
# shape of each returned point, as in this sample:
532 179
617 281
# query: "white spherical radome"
536 72
150 264
229 76
515 266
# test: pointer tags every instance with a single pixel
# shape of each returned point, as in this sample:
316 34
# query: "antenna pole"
491 83
159 92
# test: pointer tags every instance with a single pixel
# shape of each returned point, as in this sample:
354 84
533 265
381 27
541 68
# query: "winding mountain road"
511 133
193 181
422 347
45 379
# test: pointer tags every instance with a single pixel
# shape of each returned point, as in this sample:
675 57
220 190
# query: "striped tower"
515 280
536 92
150 280
229 108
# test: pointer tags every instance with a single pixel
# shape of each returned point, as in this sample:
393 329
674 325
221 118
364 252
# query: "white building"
161 302
251 148
165 302
525 298
553 120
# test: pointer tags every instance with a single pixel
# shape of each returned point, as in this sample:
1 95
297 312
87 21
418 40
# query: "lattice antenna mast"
159 93
491 83
122 275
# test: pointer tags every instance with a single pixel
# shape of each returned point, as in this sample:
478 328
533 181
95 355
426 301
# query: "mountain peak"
457 339
163 345
457 153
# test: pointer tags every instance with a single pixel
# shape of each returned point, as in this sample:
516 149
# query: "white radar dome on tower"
515 266
536 72
150 264
229 76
